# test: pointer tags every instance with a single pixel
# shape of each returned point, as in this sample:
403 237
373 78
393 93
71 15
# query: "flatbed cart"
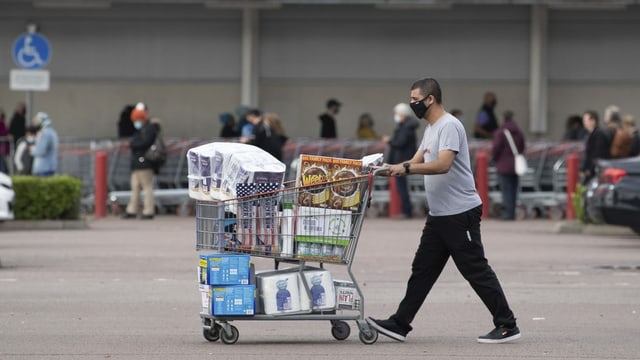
221 227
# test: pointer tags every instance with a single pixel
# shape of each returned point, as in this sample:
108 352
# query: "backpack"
157 153
621 142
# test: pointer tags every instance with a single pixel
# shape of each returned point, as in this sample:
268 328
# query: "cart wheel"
370 339
230 339
212 334
340 330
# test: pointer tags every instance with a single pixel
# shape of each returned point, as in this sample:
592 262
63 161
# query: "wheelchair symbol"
32 53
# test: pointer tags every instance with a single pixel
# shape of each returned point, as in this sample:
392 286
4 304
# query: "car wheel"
636 229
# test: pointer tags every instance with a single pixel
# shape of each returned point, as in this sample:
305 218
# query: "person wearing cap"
402 146
142 170
45 149
328 120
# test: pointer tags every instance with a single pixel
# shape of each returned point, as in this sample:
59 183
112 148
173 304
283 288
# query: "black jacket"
403 144
597 147
140 142
328 127
265 139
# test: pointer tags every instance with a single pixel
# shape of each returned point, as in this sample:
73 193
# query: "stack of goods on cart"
230 286
332 191
238 184
226 284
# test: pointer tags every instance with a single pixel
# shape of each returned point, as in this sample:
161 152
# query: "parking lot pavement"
128 290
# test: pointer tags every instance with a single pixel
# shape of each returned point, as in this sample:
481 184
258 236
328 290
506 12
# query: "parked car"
6 197
613 196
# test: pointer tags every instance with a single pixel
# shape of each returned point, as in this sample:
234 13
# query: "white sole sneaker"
500 341
385 331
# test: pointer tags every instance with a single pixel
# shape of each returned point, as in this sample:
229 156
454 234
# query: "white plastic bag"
521 165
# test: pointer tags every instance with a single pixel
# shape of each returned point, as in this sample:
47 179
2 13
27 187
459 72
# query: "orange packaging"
320 170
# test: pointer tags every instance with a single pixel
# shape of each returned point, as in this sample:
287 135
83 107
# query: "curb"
576 227
13 225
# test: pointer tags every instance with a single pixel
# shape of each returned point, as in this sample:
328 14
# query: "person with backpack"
142 169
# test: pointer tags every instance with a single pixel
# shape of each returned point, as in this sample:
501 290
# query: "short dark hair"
592 114
255 112
333 103
429 86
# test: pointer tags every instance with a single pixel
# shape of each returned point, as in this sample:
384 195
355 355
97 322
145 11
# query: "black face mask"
419 108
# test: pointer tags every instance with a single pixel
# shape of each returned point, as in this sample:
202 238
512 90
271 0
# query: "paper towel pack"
279 292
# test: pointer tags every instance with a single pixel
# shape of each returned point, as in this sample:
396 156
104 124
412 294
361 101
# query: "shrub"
39 198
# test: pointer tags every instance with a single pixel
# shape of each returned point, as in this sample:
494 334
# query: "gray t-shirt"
454 192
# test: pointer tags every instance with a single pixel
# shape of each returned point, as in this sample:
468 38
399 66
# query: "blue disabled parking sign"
31 51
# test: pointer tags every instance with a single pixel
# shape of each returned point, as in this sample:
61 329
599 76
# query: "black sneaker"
146 217
388 327
500 335
129 216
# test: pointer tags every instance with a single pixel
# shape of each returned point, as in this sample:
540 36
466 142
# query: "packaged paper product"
321 290
278 292
318 227
205 294
344 194
233 300
250 167
346 295
224 269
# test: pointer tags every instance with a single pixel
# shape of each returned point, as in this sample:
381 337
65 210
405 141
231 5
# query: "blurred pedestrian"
486 121
365 128
5 142
18 123
243 127
262 135
328 120
597 146
504 159
22 158
45 149
629 125
142 170
401 147
228 126
125 126
574 129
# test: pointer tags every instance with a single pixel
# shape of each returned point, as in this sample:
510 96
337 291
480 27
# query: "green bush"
577 200
38 198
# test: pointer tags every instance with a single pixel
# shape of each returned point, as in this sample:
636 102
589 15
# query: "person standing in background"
486 121
263 136
228 126
401 147
22 158
629 125
597 146
142 170
365 128
5 141
504 159
18 123
45 149
125 126
328 120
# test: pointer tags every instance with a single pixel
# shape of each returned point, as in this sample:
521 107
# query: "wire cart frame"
288 226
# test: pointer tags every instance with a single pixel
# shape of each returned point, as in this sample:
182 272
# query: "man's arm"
417 165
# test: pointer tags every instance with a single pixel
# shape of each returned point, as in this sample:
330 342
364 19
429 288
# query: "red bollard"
395 204
100 189
482 180
572 181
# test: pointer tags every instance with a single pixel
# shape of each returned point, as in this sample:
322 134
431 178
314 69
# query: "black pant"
509 189
403 191
457 236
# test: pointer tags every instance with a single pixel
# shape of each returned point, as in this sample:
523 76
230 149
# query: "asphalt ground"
128 290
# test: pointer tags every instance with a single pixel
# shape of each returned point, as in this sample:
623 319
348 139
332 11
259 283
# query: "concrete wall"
184 61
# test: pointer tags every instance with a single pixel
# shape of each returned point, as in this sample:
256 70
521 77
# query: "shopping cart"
288 226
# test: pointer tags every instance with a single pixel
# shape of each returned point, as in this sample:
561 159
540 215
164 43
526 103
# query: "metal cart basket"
318 224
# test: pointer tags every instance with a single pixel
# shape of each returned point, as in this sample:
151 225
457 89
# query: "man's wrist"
407 167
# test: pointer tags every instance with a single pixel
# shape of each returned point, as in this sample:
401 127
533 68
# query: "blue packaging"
233 300
224 269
